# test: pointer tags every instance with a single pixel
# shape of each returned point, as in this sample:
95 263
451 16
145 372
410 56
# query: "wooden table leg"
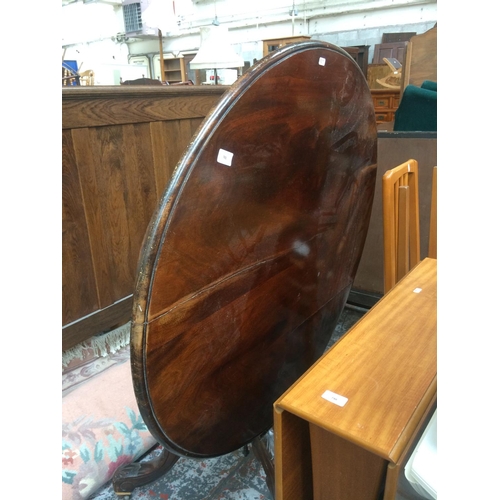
264 457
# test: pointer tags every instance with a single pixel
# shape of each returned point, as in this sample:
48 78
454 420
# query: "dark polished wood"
251 254
264 457
131 476
142 81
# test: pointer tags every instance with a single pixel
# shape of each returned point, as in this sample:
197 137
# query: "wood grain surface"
388 388
100 106
421 59
392 150
116 164
250 257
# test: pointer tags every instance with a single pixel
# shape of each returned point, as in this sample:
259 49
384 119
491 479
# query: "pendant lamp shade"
215 50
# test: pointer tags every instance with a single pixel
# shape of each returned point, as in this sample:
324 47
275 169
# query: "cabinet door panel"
395 49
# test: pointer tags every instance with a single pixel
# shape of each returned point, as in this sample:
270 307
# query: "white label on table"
417 290
334 398
322 61
225 157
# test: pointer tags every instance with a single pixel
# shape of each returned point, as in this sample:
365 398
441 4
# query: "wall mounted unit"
133 19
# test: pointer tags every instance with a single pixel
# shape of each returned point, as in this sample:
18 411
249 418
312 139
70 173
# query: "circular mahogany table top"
250 256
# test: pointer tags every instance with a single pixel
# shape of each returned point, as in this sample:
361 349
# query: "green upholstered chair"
417 110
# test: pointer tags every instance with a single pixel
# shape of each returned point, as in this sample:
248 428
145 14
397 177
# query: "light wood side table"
386 367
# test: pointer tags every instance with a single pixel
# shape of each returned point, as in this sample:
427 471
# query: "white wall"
87 38
343 23
92 54
90 22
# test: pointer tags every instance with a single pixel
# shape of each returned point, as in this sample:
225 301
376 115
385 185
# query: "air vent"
132 16
135 19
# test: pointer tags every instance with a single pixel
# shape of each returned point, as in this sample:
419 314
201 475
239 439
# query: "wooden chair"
87 77
400 222
433 222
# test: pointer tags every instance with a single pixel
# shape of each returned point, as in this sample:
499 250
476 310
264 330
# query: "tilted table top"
250 256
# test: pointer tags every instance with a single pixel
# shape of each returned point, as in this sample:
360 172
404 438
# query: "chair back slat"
401 240
403 232
433 222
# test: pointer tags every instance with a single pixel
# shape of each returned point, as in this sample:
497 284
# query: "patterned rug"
233 476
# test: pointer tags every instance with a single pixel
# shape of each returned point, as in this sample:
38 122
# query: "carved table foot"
131 476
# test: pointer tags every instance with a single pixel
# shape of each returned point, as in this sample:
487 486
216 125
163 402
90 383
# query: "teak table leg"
344 470
131 476
264 457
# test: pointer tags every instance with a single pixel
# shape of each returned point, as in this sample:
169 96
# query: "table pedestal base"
131 476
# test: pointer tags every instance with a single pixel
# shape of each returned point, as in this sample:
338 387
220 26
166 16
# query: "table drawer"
382 102
384 116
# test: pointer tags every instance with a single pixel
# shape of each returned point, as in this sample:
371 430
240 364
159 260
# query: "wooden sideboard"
273 44
385 102
386 369
120 145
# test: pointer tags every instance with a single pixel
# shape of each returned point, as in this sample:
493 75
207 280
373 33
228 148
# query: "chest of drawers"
386 102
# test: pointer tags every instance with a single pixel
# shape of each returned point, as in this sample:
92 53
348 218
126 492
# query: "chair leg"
131 476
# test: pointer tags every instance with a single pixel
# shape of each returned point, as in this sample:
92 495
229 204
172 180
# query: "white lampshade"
158 14
215 50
